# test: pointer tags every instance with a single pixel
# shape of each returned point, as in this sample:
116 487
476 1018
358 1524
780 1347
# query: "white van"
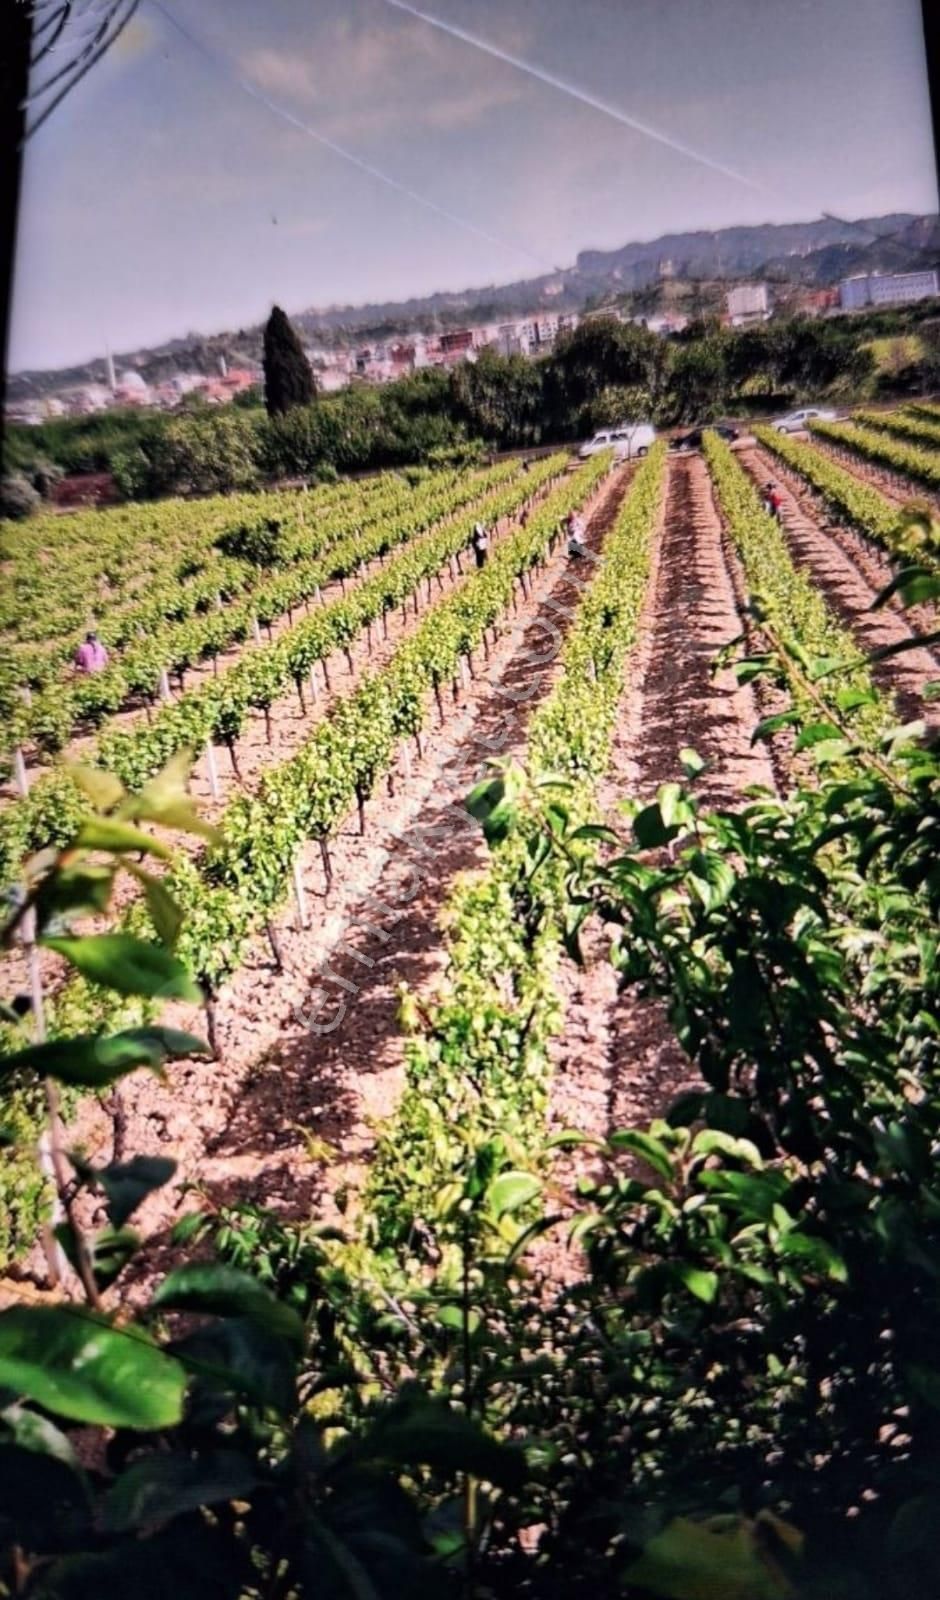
627 440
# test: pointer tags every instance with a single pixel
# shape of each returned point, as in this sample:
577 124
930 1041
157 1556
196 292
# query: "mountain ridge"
814 253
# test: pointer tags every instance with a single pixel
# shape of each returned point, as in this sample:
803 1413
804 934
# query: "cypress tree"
288 380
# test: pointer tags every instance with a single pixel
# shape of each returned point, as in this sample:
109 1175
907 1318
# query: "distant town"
345 363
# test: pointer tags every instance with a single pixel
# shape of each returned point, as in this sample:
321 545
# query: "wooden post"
300 898
256 630
327 864
213 771
312 680
165 694
19 772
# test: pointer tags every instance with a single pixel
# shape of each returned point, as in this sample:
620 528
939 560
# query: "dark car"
693 440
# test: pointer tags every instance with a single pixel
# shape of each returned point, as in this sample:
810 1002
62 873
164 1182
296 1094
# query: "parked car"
627 439
795 421
693 440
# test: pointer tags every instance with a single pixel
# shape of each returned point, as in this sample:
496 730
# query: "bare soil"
618 1062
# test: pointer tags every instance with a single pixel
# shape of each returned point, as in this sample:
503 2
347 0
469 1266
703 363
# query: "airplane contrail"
367 167
575 93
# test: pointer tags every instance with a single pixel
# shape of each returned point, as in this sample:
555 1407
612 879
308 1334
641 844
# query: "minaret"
223 366
109 363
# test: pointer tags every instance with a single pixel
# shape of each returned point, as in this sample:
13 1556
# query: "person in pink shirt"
92 655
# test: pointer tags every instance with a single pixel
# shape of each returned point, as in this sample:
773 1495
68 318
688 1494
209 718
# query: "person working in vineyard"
575 528
91 655
480 541
772 501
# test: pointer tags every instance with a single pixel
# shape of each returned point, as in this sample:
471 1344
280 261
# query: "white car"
627 440
796 421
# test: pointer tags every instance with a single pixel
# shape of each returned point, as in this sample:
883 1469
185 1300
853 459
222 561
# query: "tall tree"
288 380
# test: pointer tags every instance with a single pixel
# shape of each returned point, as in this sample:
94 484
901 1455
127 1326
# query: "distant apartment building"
456 342
887 289
748 302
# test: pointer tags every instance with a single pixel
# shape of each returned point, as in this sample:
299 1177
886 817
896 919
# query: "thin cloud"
574 92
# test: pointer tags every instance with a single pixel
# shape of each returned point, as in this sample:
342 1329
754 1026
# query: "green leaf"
771 725
165 914
691 762
74 889
696 1561
103 789
651 1150
511 1191
37 1434
818 1255
704 1285
126 1184
92 1061
110 1250
76 1365
128 965
815 733
650 830
224 1291
418 1431
161 1487
103 833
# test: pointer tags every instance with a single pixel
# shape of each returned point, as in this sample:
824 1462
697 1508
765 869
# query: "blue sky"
162 198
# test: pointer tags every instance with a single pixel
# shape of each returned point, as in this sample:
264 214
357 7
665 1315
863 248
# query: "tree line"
600 373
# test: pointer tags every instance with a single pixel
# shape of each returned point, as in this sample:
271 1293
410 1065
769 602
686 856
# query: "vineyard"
470 1039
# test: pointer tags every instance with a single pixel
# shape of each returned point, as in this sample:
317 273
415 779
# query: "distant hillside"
810 253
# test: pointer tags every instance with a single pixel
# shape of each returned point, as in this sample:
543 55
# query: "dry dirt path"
617 1063
850 571
242 1126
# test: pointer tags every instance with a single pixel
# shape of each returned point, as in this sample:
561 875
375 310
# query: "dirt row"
311 1057
618 1063
850 571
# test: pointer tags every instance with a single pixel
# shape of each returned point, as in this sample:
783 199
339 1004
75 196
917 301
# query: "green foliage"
19 499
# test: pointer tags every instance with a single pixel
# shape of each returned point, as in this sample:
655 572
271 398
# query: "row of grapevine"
119 565
844 494
238 885
52 717
217 711
785 595
478 1070
902 424
925 409
909 461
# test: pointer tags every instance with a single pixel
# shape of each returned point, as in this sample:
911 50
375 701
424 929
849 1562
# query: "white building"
748 302
888 289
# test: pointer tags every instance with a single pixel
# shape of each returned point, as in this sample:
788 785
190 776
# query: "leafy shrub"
18 498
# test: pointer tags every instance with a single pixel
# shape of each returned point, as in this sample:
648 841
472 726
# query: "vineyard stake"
299 684
55 1256
312 680
165 694
300 898
274 940
406 759
213 770
256 630
326 676
19 770
327 864
361 808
